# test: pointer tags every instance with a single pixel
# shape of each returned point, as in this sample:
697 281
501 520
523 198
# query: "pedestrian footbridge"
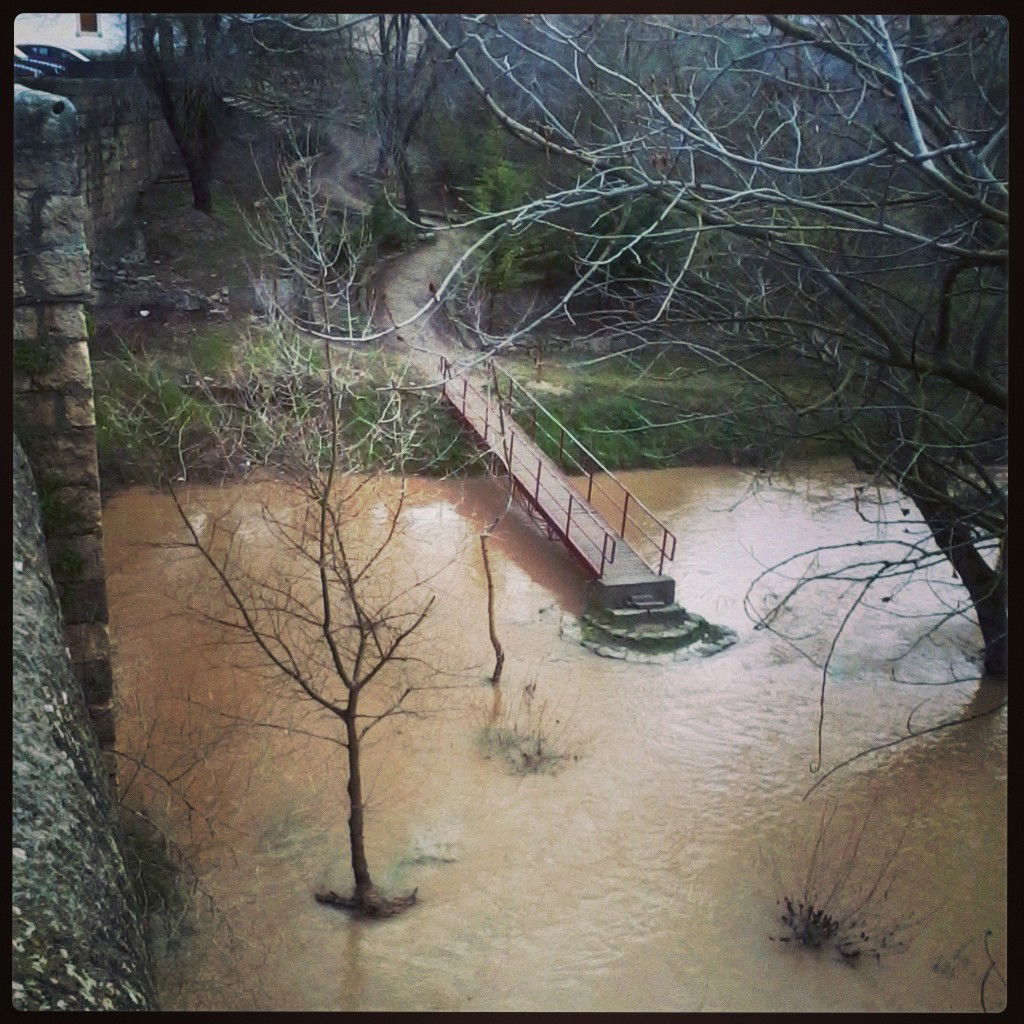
619 542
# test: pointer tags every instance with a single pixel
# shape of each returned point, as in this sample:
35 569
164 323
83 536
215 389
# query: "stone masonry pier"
54 415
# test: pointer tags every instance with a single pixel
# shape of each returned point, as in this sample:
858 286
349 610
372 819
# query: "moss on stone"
634 636
61 517
34 357
68 565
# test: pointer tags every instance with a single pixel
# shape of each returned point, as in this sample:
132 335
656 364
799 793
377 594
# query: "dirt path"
337 172
404 289
403 284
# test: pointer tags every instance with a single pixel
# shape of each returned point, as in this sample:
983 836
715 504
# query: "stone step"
631 638
633 628
662 613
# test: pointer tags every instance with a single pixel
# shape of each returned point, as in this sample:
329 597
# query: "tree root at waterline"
369 904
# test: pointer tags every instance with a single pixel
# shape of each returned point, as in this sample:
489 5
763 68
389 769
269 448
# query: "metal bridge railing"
638 525
534 472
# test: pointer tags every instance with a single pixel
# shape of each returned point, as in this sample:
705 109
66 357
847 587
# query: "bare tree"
826 192
185 59
404 77
485 536
499 651
309 238
323 624
315 245
316 606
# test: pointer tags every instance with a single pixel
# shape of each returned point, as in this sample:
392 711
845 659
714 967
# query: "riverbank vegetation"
842 881
656 409
200 418
529 735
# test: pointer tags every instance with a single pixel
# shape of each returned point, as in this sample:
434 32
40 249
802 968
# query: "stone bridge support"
54 415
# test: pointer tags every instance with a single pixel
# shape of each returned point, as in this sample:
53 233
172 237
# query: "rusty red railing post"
487 418
590 484
536 491
661 563
511 446
568 518
625 510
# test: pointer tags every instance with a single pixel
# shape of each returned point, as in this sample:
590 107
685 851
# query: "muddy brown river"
643 873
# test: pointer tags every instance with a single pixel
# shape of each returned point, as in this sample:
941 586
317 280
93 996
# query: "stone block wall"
77 922
124 141
54 415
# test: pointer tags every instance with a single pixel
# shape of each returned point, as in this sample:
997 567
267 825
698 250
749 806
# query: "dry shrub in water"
527 733
844 891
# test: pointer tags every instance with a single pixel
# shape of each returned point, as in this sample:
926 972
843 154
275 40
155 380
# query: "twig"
991 967
902 739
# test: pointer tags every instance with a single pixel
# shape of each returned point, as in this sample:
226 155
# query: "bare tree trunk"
199 178
499 653
190 138
364 887
403 91
412 204
985 586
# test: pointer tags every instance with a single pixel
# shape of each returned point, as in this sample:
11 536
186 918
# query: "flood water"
640 875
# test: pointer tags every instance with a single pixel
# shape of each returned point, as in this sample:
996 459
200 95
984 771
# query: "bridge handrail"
667 554
595 486
511 456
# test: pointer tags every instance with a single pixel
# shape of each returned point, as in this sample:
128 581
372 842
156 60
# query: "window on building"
88 24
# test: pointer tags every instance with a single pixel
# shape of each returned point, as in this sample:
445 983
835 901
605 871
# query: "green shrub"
212 351
457 154
147 425
389 231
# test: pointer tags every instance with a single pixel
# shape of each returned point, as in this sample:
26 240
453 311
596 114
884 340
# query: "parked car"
23 67
53 57
31 67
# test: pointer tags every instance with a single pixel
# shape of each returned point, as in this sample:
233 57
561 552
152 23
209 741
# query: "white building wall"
63 30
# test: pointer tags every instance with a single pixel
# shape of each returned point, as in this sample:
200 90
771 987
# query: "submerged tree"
315 611
827 193
313 602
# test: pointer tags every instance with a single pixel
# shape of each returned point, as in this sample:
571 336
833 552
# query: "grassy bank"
203 412
662 411
153 422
